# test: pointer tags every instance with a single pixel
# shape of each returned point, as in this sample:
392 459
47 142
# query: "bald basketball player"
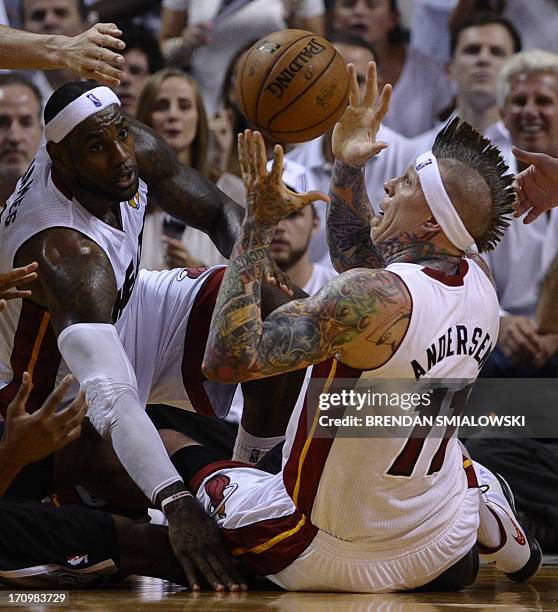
364 514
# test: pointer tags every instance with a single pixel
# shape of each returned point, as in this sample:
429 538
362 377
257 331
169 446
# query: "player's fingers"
354 92
277 166
233 567
110 29
190 573
73 414
54 399
533 214
242 156
222 573
15 295
106 55
69 436
208 573
17 405
315 196
103 70
100 78
106 42
371 86
15 277
526 156
249 144
260 154
383 105
27 278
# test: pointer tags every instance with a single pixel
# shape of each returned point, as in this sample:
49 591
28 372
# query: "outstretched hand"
31 437
13 279
537 185
354 135
89 54
268 199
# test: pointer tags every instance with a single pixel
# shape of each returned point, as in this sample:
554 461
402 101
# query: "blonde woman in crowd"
172 105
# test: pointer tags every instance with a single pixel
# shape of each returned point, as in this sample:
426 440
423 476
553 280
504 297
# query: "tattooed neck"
419 251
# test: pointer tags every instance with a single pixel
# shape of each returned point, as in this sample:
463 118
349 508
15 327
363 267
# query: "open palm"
268 199
354 136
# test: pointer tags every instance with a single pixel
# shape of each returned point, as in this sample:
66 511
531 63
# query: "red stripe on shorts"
267 546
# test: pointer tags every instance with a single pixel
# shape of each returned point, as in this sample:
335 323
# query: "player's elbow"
225 371
218 372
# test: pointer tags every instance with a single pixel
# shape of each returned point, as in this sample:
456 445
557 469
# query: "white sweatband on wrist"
439 202
172 498
89 103
96 357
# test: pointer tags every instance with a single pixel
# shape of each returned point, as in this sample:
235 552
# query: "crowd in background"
490 62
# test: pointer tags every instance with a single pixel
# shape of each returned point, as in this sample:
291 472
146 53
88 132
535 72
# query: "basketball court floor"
492 591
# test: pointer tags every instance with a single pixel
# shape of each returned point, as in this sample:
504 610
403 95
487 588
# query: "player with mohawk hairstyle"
459 141
365 514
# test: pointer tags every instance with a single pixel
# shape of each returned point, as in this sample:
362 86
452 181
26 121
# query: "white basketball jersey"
386 491
40 202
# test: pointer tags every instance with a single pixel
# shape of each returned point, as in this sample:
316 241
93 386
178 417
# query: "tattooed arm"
241 346
349 217
353 143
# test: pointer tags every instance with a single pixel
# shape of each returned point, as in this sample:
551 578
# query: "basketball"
292 85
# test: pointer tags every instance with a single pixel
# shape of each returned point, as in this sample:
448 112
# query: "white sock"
500 537
488 533
251 449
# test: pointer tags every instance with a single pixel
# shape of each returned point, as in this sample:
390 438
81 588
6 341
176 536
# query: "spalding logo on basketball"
293 85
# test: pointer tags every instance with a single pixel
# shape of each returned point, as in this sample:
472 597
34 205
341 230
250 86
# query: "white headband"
439 202
81 108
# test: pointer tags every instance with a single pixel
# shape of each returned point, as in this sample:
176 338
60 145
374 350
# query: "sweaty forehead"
102 121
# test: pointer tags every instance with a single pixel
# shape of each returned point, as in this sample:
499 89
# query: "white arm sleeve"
97 359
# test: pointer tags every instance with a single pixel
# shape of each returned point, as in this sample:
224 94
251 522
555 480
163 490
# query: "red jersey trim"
456 280
34 343
308 456
197 332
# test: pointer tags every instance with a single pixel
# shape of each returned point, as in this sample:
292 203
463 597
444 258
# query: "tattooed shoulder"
303 332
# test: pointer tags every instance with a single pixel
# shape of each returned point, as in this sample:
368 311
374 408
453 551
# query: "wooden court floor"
492 591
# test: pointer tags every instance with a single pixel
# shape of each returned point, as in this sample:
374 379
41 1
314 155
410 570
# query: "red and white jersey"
40 202
378 490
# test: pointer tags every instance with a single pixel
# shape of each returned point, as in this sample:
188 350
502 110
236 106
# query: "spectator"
142 58
317 158
420 87
20 129
207 37
171 104
479 48
528 95
536 21
144 13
